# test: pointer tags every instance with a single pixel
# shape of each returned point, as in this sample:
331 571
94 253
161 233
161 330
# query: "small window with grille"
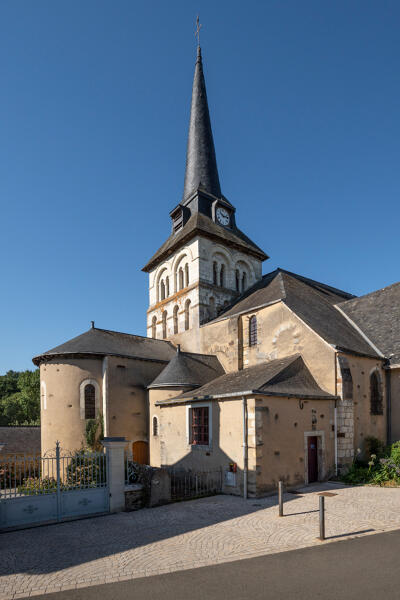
199 426
253 331
90 401
376 394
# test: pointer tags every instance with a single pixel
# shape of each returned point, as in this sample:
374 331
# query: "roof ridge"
314 283
386 287
144 337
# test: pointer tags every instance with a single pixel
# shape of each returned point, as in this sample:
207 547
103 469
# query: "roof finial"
197 32
92 324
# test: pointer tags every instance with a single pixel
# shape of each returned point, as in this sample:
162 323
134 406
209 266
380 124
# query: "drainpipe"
336 441
388 405
244 402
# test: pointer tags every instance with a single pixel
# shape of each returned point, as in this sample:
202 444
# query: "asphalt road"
363 568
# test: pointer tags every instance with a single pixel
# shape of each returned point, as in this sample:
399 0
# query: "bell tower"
206 262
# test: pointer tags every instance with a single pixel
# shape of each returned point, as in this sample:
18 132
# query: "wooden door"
140 452
312 459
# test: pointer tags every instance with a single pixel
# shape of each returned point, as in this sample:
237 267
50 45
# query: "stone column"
116 471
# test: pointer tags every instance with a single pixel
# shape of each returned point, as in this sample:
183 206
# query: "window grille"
155 426
90 401
376 395
253 331
199 434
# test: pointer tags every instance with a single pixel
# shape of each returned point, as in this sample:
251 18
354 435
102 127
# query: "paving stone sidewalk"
183 536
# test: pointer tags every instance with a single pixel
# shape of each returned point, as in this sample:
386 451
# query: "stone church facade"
266 377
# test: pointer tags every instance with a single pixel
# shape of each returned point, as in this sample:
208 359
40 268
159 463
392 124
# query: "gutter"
240 395
388 385
245 448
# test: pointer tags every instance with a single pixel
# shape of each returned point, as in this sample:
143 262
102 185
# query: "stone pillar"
116 471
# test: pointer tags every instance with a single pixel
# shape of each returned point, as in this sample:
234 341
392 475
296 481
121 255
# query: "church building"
265 377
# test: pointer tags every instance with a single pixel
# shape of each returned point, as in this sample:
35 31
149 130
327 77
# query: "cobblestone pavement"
184 535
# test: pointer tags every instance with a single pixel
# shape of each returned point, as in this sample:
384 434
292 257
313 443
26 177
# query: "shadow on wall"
66 545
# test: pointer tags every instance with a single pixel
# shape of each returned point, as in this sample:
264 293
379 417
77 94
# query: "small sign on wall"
230 478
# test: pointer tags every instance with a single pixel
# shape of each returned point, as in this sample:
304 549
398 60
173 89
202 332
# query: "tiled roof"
104 342
313 302
282 377
201 224
378 315
188 370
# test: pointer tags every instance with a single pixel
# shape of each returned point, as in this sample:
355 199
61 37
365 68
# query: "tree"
20 398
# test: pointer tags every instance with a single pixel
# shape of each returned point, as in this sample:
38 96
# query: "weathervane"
197 32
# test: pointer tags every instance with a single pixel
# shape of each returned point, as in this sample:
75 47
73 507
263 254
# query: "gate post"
115 471
58 473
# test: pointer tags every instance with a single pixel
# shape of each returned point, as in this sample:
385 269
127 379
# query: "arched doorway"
140 453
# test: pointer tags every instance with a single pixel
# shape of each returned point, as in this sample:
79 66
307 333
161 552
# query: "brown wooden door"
312 459
140 452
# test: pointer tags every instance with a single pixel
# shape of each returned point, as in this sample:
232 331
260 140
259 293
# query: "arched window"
212 308
176 309
237 278
244 282
222 276
253 331
215 273
180 275
187 319
162 290
153 327
155 426
44 395
90 401
376 394
186 274
164 324
167 286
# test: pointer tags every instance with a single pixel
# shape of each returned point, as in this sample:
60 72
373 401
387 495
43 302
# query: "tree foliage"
20 398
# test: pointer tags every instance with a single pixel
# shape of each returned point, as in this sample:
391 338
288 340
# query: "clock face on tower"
222 216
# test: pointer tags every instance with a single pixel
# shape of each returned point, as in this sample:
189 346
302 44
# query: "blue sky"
304 101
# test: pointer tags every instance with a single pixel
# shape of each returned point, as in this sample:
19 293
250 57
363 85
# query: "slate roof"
201 224
188 370
103 342
282 377
201 163
378 315
310 300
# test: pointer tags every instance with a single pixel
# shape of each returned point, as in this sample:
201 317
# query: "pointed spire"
201 163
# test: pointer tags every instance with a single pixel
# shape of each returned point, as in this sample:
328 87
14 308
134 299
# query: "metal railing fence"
186 484
56 471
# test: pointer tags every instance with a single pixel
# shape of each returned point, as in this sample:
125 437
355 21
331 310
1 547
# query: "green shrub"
374 446
383 467
35 485
86 469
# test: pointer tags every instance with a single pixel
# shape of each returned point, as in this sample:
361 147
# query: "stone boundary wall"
20 440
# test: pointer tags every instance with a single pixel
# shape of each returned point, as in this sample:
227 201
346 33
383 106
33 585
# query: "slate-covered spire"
201 164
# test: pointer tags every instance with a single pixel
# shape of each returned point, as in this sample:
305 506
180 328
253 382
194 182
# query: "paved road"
361 568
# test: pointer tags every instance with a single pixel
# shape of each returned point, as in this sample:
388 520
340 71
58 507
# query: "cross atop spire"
201 163
197 32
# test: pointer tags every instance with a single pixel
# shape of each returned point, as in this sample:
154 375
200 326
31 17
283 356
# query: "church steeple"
201 163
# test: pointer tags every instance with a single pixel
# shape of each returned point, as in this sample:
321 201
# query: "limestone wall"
282 426
354 419
61 415
395 398
20 440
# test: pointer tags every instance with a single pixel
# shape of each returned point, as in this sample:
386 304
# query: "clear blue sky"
304 101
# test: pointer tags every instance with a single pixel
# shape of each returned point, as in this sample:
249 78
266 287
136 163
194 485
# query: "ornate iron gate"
56 487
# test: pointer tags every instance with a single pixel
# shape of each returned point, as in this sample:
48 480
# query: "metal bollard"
321 518
280 496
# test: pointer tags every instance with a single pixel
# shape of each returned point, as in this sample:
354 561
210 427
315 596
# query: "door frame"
320 435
